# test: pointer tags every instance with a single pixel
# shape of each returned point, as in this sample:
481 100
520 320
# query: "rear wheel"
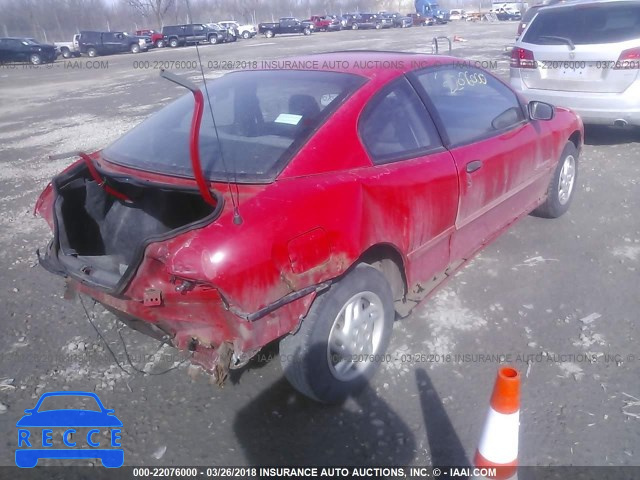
307 31
173 43
378 26
135 48
66 53
354 26
562 185
92 52
246 35
341 342
35 59
159 43
213 39
269 34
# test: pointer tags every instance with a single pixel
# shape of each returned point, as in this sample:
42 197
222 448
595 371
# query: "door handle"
473 166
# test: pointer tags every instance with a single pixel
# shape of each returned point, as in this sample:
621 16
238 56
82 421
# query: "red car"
308 206
157 39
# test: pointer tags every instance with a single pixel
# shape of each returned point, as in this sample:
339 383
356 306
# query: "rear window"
262 119
586 24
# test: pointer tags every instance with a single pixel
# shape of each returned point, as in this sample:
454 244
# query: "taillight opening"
522 58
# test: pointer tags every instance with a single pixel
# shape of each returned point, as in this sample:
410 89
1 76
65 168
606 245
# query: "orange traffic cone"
497 454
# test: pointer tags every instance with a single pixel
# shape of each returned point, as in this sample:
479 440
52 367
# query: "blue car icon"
32 447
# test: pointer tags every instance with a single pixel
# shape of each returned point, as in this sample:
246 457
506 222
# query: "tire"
562 185
66 53
378 26
159 43
246 35
35 59
92 52
135 48
354 26
213 39
311 357
269 34
306 32
173 43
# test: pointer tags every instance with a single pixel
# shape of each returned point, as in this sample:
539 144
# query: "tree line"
58 20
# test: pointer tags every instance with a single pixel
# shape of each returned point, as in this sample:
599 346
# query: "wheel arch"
387 259
576 139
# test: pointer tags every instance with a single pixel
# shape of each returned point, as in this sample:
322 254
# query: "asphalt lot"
556 292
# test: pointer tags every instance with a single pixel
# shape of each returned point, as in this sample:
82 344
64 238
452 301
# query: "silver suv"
585 56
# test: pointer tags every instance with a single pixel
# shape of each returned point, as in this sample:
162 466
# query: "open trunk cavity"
102 239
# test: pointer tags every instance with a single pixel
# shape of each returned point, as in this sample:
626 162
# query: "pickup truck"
156 38
105 43
69 49
325 23
284 25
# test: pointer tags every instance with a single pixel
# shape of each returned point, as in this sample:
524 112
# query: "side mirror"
540 111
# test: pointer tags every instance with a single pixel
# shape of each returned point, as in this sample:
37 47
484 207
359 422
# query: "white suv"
585 56
246 31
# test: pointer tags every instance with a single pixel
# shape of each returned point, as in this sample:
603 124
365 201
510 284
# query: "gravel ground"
557 298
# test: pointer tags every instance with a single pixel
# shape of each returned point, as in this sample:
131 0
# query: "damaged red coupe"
305 206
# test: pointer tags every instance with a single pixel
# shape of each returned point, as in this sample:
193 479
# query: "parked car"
507 14
283 26
246 31
325 23
397 19
348 19
107 43
69 49
196 252
457 14
192 33
369 20
155 38
586 58
421 20
222 34
13 49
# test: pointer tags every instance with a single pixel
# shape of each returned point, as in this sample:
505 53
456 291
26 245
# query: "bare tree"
155 8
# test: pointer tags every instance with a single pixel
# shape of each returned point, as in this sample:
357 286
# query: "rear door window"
585 24
396 125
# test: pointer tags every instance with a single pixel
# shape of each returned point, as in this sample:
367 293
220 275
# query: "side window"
396 125
471 103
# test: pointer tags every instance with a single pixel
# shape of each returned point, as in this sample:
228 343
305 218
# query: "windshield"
28 41
262 118
589 24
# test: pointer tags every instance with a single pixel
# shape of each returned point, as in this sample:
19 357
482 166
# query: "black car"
192 33
94 43
26 50
397 19
369 20
348 19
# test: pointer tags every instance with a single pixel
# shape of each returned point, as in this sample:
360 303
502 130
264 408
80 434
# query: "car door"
412 189
4 51
107 43
501 169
